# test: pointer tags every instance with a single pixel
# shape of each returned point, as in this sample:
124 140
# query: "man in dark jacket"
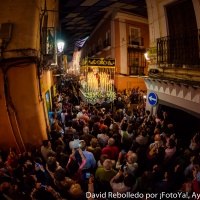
105 105
119 104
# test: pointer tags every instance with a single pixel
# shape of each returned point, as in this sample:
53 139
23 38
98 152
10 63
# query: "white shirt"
74 144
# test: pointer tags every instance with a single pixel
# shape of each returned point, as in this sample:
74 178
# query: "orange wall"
100 33
126 82
117 44
28 123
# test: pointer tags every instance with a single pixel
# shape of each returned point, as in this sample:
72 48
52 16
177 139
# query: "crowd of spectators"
100 151
132 96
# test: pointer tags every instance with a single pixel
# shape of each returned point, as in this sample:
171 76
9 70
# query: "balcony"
107 44
98 49
179 50
48 44
136 43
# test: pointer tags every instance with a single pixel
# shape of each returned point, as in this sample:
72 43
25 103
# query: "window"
136 62
108 34
135 36
107 42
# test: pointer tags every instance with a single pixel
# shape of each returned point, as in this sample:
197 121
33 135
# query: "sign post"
152 99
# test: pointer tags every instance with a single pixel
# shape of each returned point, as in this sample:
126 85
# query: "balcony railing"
137 42
48 45
180 49
48 41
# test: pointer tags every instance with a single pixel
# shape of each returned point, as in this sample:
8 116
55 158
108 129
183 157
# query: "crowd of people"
102 153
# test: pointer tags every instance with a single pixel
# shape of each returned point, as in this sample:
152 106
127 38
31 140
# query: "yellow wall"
24 120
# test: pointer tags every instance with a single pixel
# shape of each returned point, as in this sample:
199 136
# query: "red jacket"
111 151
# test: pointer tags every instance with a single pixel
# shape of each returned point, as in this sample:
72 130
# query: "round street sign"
152 98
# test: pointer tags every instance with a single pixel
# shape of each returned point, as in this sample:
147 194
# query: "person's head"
103 110
147 112
38 160
95 127
146 181
196 162
29 182
75 191
13 152
124 126
144 133
46 143
69 111
53 127
165 114
96 112
171 144
107 164
64 110
85 130
103 158
59 174
116 118
111 142
165 134
82 144
129 180
69 123
157 137
104 130
101 121
94 142
157 131
7 188
131 157
76 136
52 164
130 129
59 149
63 160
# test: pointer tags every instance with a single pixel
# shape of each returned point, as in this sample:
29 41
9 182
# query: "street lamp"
60 48
60 45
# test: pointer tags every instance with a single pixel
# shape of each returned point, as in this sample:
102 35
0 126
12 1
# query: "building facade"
27 41
125 38
174 68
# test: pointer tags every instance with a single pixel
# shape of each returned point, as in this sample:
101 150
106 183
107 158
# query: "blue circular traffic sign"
152 98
